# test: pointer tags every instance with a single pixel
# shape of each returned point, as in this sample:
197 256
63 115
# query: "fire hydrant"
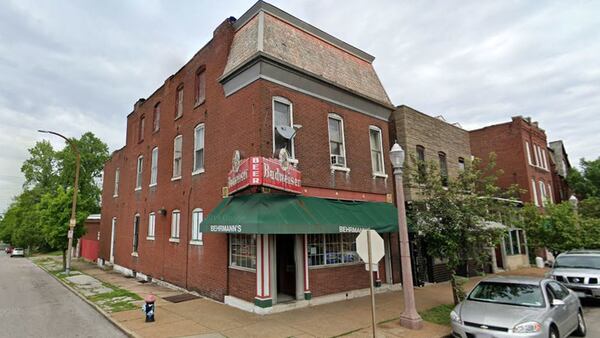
148 308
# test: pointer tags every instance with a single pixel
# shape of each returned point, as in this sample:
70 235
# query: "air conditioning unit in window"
338 160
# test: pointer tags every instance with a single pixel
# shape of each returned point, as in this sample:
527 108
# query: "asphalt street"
34 304
591 313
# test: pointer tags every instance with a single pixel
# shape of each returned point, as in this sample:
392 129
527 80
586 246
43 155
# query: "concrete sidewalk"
207 318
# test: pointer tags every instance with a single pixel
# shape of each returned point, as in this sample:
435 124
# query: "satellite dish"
286 132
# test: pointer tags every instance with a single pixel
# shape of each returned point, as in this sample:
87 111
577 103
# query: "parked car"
518 307
17 252
579 270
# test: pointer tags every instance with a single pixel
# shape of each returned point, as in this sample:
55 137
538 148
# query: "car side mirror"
557 302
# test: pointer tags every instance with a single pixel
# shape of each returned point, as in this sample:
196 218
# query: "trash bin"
539 262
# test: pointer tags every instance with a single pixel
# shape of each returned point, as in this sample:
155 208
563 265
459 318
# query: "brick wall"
342 278
242 284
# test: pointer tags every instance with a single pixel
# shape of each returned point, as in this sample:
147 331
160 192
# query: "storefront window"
331 249
514 243
242 251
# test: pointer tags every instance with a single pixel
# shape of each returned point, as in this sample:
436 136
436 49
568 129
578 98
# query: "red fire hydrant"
148 308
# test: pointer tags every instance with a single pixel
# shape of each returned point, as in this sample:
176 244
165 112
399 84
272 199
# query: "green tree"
40 169
453 218
589 207
585 183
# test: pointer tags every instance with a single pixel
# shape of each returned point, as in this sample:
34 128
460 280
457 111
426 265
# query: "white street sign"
377 247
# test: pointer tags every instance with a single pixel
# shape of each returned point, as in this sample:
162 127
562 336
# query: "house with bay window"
266 157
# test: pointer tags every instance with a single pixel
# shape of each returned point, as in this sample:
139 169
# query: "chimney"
138 103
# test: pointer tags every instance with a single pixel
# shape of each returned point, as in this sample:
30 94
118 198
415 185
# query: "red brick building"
260 77
521 152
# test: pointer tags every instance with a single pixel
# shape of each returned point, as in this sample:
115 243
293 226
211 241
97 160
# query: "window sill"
381 175
174 240
196 242
241 268
178 117
152 185
175 178
150 238
115 196
199 103
138 189
337 265
134 254
199 171
336 168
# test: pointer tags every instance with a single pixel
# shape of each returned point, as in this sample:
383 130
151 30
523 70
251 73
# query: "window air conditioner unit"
338 160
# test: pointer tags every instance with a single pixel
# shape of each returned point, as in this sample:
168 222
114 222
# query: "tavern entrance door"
285 268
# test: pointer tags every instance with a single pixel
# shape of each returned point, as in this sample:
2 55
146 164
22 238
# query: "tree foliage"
453 215
585 183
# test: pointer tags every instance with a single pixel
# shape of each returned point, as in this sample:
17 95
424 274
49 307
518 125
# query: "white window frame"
175 226
151 226
381 157
285 101
197 218
545 162
528 153
139 172
178 137
179 106
537 155
117 182
156 118
551 198
340 253
543 192
154 167
253 244
199 170
534 191
345 168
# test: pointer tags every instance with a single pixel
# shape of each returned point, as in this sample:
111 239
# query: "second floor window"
199 149
141 128
282 116
154 167
156 117
175 223
117 178
421 160
179 105
376 150
177 144
200 86
151 225
337 149
528 151
443 168
461 164
140 169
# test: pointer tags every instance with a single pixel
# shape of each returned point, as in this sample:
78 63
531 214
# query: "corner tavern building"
246 176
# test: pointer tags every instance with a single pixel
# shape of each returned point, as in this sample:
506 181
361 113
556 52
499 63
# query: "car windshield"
508 293
581 262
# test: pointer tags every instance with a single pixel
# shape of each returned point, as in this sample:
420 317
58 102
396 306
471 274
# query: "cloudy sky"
76 66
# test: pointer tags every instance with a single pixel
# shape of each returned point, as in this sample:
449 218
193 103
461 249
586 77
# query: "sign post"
370 248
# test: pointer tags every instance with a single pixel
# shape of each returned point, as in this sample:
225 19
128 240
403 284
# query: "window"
179 107
141 128
534 192
156 117
528 153
328 249
557 291
197 216
461 164
337 149
421 160
537 155
514 243
117 178
151 225
154 168
177 143
376 150
544 161
200 86
443 168
242 251
175 223
550 197
199 149
136 231
282 116
140 169
543 193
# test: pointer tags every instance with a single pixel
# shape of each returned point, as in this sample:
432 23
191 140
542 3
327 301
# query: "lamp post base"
410 322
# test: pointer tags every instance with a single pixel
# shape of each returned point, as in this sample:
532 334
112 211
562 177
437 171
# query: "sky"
77 66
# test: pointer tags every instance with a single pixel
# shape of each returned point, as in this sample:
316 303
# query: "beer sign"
261 171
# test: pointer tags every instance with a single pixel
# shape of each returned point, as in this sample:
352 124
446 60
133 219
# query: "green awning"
289 214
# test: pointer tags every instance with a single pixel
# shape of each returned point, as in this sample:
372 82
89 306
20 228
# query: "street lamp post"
410 317
73 220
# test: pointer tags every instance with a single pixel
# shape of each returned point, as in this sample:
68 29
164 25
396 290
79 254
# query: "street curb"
106 315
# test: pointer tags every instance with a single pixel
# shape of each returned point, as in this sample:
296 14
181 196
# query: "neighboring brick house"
430 139
260 77
560 160
88 245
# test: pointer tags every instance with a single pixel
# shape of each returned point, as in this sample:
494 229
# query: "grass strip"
438 315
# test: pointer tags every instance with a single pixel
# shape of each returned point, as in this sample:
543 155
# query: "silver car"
579 270
501 307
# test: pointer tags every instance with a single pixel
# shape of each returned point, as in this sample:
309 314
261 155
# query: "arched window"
177 156
198 149
443 168
140 169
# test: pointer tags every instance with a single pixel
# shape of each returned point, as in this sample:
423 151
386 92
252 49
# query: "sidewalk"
207 318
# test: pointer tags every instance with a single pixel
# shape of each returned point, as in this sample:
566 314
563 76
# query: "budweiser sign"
260 171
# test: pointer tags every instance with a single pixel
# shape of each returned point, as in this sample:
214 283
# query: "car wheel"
553 332
581 327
